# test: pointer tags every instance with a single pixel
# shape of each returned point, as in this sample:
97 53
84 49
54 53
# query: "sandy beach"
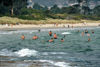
39 26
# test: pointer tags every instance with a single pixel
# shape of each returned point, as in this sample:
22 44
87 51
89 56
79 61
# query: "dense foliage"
12 6
18 8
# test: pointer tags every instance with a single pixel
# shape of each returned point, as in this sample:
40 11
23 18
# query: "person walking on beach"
55 36
11 25
68 26
72 26
85 23
50 33
35 37
56 24
22 37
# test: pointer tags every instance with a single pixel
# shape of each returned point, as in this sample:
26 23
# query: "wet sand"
20 64
5 63
27 63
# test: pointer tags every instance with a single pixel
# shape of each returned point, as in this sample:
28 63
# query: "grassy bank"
10 20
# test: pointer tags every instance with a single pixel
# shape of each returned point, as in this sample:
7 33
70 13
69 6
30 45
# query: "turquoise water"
75 48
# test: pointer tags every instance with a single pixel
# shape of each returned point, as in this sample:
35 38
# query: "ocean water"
75 51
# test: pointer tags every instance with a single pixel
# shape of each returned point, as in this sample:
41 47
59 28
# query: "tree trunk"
81 10
12 11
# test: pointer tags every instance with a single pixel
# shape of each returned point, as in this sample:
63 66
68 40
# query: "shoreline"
31 63
47 26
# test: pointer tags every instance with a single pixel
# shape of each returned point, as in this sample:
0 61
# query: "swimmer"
92 31
22 37
50 33
89 39
39 30
88 34
55 36
51 40
86 31
62 40
35 37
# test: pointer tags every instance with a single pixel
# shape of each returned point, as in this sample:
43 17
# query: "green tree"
96 11
3 9
55 9
83 6
86 10
45 8
37 6
79 1
13 5
70 10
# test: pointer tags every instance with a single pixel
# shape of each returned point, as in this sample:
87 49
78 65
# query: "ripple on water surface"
75 48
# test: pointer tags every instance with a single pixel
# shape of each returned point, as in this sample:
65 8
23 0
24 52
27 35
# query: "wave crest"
26 52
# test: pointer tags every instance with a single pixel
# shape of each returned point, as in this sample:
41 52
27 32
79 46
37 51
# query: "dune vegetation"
12 20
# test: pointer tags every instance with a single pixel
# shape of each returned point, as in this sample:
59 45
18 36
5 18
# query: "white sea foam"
53 53
56 29
6 32
58 64
66 33
25 31
62 64
5 52
20 53
18 31
26 52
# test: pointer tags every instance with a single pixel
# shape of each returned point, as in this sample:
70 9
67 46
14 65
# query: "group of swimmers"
87 33
34 37
50 34
54 36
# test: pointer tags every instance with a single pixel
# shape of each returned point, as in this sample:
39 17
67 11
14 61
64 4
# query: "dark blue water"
75 48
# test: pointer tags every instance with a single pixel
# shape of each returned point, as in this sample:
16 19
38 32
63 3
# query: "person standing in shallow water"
55 36
22 37
39 30
86 31
50 33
